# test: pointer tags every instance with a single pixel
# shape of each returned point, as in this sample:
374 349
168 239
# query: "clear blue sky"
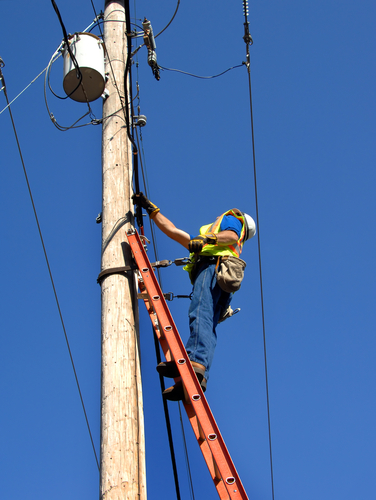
313 74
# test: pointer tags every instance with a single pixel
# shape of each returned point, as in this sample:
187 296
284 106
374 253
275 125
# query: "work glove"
196 244
141 200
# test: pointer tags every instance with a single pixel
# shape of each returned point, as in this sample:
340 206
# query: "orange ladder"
217 457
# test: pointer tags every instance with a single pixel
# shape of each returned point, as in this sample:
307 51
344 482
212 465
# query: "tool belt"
229 270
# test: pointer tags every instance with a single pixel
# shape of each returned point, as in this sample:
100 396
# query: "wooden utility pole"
122 425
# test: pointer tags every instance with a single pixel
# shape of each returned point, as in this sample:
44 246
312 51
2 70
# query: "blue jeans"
208 301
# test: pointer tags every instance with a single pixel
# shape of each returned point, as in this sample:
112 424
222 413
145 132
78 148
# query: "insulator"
245 7
139 121
152 58
148 36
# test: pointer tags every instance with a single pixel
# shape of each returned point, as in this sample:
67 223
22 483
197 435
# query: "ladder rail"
215 452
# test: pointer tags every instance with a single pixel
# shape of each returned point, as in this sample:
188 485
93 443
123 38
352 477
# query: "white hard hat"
250 227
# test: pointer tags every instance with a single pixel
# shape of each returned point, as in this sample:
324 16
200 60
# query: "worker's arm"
164 224
194 245
170 230
226 237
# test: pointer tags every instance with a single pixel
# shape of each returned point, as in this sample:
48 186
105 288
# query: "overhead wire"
49 267
68 47
201 77
27 86
167 25
248 41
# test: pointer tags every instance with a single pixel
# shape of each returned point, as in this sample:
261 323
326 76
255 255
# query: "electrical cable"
35 79
121 98
167 418
93 121
186 455
167 25
248 41
202 77
67 44
113 231
49 268
173 17
156 343
129 122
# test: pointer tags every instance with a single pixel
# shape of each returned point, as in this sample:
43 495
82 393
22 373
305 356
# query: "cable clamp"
99 16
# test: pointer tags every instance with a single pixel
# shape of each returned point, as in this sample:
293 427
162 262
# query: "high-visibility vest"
218 250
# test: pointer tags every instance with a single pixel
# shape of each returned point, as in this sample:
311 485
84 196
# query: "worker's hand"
141 200
196 244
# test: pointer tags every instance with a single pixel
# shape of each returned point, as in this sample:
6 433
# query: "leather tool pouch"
230 273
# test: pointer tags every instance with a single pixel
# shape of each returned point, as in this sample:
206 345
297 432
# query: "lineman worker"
224 237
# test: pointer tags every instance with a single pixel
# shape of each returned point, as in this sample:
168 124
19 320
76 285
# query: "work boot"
168 369
176 392
200 374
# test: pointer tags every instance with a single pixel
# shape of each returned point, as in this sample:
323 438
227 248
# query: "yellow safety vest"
216 250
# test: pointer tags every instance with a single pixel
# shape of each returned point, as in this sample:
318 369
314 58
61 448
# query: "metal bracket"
124 269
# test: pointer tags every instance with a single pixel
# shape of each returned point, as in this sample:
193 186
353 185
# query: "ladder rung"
201 432
218 476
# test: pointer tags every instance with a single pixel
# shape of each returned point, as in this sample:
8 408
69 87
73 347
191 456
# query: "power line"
35 79
201 77
173 17
248 41
48 265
